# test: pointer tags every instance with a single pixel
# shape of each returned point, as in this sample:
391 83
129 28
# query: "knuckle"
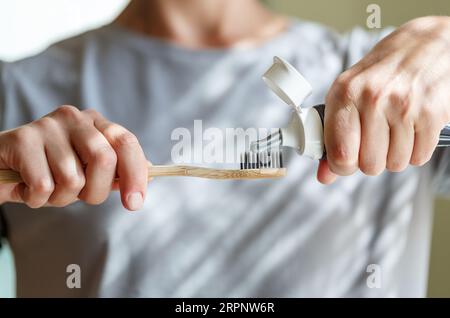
72 181
42 186
417 162
341 81
371 96
339 154
419 159
125 138
34 204
105 158
401 103
45 123
396 165
69 112
353 85
345 86
371 168
96 201
91 199
59 204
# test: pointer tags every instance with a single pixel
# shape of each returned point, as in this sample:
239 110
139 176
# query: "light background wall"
28 26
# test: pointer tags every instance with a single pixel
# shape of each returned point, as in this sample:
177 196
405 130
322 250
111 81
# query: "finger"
341 132
37 179
425 142
132 167
374 142
324 174
67 172
401 143
100 160
374 129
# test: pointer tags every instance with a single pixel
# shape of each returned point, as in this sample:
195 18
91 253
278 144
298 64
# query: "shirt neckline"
151 44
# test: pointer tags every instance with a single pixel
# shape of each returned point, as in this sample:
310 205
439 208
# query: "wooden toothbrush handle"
209 173
10 176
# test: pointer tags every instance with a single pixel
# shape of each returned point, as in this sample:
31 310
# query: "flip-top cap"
285 81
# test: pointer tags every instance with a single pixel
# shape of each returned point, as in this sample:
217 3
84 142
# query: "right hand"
72 155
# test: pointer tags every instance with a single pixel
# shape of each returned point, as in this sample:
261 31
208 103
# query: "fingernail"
135 201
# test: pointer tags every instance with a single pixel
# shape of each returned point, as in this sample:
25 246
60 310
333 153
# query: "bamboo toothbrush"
254 165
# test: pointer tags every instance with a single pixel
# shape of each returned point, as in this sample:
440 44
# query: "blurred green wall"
439 278
343 15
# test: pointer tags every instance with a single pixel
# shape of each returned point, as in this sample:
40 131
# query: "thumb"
324 174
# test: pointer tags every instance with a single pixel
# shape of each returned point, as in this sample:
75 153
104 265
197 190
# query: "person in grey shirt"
163 64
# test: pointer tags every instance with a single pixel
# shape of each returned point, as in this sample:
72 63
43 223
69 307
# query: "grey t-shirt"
290 237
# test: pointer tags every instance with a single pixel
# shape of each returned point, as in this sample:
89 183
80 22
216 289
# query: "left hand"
387 111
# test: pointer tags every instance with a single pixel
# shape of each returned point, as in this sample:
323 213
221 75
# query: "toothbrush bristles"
261 160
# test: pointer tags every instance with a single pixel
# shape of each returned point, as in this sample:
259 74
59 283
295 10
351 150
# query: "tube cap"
287 83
